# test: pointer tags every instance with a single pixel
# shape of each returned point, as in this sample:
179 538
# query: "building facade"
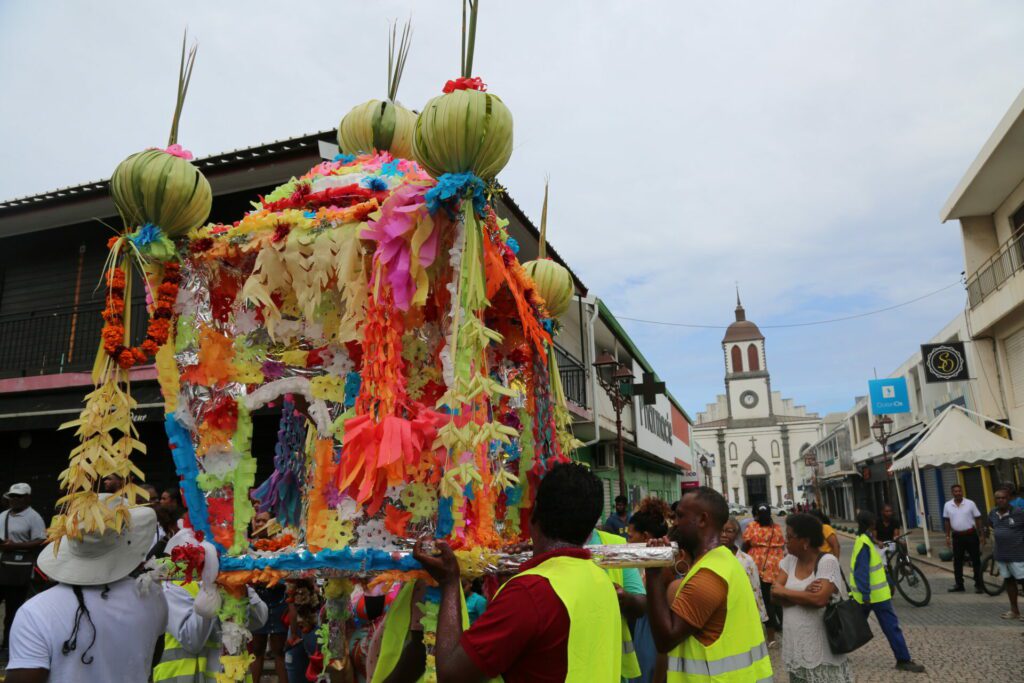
854 470
758 436
988 202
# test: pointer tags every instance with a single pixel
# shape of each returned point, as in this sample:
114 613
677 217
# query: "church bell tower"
747 383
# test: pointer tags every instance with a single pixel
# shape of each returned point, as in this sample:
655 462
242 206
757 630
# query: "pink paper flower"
179 151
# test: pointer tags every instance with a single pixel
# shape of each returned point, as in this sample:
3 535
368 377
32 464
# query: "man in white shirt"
965 533
22 534
95 624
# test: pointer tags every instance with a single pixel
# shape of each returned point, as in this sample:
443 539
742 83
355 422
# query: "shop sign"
889 396
944 362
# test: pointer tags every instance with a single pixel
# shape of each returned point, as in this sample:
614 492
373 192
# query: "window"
1017 220
776 453
737 359
732 452
753 358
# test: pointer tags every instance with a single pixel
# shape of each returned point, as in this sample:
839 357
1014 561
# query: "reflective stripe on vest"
630 662
878 583
396 630
593 655
739 654
176 665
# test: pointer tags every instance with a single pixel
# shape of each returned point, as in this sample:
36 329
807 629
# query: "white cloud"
803 149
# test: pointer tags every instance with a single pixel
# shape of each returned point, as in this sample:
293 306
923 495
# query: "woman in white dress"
807 581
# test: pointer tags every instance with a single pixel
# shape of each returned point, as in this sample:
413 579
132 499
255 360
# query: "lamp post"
882 430
706 466
611 375
811 460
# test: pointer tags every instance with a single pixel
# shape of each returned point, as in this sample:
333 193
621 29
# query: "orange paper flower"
396 520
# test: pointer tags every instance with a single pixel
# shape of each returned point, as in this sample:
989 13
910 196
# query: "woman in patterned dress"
765 542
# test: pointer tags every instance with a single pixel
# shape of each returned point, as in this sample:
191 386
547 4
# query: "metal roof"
224 160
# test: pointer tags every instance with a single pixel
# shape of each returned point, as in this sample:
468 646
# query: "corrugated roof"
223 160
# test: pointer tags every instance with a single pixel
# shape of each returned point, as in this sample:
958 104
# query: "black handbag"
846 625
15 565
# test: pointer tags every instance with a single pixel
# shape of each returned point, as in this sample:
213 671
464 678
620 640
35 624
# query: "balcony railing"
574 378
997 270
56 340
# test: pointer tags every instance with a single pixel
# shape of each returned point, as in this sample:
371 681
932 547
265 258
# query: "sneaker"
956 589
1010 615
911 666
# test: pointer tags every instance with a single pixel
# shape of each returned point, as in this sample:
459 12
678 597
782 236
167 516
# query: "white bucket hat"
18 490
99 559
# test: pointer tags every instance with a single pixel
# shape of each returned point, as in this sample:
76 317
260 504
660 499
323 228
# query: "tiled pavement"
958 637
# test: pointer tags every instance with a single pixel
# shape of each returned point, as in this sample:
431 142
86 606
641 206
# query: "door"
757 490
974 489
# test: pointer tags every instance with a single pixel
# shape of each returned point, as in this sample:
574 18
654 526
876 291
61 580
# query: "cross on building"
649 389
753 445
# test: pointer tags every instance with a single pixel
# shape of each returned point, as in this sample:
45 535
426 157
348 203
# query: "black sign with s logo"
944 362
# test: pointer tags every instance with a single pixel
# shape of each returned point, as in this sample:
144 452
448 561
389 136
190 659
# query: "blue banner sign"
889 396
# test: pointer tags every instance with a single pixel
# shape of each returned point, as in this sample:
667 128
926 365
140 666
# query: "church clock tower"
747 384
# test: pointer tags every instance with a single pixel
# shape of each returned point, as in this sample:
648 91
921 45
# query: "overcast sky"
803 149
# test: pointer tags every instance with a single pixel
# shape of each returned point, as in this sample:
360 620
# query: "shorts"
274 624
1008 569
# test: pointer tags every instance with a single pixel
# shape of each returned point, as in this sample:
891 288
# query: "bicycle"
905 576
992 581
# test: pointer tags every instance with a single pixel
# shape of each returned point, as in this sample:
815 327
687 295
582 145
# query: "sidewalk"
916 536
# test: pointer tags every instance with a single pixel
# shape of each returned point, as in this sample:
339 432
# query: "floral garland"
159 327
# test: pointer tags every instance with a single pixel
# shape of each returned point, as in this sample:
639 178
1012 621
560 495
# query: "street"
958 636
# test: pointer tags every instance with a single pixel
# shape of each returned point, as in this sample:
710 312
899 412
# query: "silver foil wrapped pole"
622 556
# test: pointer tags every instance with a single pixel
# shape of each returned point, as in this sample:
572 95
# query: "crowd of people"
737 591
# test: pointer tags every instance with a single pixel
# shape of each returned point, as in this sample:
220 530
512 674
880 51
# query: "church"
757 436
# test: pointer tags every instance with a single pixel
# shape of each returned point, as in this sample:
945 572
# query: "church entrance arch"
756 481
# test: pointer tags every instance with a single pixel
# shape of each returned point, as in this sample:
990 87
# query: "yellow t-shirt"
826 531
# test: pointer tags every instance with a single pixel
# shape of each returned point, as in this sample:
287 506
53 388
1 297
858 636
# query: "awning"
953 438
842 474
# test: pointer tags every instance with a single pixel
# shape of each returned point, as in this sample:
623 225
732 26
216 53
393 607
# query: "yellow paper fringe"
107 411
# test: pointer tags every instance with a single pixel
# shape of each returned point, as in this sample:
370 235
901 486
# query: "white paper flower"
372 534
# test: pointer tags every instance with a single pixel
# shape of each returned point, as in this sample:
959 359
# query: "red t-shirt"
523 635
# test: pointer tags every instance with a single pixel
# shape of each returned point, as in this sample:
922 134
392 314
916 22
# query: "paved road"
958 637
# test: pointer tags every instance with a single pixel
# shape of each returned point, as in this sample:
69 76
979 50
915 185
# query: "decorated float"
378 302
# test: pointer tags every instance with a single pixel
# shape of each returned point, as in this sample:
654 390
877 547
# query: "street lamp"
706 466
611 375
882 430
811 460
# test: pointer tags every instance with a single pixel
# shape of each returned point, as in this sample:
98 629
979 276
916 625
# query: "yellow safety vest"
739 655
178 666
586 591
877 581
396 630
630 663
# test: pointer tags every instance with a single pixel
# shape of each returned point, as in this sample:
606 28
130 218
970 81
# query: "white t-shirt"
24 526
961 517
126 626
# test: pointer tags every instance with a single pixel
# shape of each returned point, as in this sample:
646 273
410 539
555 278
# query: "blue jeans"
890 627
